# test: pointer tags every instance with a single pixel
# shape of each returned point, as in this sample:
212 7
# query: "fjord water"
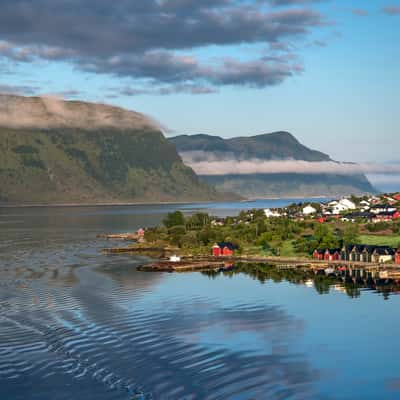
78 324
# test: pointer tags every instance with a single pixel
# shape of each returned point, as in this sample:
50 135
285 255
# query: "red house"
318 255
397 197
223 249
140 232
397 257
386 216
332 255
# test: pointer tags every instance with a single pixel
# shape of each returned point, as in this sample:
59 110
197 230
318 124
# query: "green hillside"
72 165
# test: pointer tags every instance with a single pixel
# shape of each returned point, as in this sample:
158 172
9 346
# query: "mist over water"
78 324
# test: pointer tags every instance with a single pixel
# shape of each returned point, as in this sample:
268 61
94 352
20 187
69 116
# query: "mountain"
276 165
54 151
272 146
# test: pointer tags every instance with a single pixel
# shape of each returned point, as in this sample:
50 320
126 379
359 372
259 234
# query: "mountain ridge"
272 147
267 146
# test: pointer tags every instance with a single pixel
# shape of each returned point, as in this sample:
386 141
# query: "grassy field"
393 241
286 250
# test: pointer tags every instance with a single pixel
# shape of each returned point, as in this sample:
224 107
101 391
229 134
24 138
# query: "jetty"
208 262
183 266
119 236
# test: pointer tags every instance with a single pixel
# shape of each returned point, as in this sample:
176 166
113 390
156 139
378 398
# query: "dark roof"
319 251
386 213
229 245
333 250
384 250
359 215
385 206
360 248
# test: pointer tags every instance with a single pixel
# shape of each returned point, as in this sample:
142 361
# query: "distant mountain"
272 146
254 151
54 151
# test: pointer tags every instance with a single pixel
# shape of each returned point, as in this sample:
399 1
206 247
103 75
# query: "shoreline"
208 262
151 203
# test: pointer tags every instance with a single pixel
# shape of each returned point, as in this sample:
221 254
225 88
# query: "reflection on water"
349 281
77 324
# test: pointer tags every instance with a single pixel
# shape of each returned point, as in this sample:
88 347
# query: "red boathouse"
223 249
397 257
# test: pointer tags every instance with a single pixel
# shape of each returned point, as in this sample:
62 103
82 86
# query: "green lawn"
393 240
286 250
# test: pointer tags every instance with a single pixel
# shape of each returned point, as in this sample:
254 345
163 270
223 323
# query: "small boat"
329 271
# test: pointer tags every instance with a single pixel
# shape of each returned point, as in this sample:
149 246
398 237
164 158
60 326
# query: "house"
342 205
223 249
271 213
383 254
386 216
336 210
397 197
397 257
332 255
374 200
348 204
367 253
308 210
218 222
140 233
318 254
382 208
356 253
352 217
364 205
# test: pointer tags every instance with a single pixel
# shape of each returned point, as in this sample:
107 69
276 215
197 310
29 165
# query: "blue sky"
327 71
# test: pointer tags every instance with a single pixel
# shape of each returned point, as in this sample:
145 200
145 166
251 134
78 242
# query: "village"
348 231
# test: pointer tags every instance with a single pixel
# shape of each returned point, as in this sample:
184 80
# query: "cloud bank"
215 165
51 112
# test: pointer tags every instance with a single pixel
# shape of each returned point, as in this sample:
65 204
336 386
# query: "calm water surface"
77 324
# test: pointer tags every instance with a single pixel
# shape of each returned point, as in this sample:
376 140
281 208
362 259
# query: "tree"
176 233
198 221
174 219
207 236
351 234
325 237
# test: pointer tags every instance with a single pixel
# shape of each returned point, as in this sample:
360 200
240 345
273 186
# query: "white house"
309 210
377 209
348 204
270 213
343 205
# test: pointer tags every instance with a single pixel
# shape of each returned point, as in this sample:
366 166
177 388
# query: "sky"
328 71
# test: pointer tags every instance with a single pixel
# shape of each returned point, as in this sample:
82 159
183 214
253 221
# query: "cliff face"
53 151
266 149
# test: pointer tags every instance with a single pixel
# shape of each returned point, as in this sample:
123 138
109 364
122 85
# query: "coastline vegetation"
292 234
